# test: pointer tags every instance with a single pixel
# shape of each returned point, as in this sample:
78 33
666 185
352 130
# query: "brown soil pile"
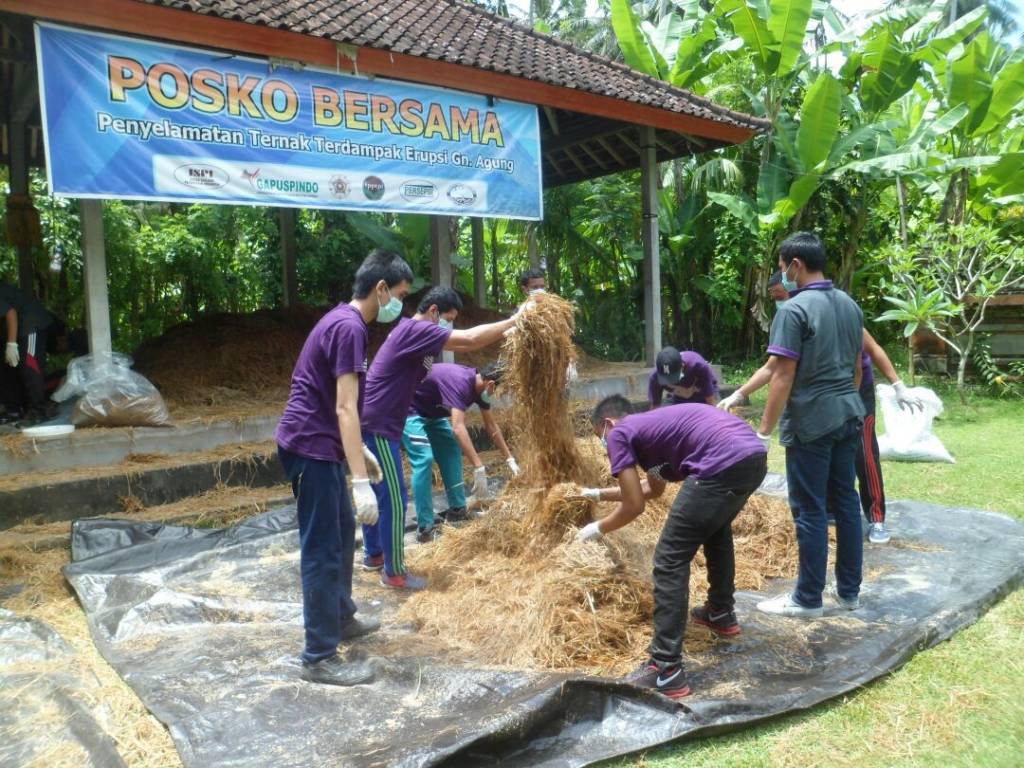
233 362
515 588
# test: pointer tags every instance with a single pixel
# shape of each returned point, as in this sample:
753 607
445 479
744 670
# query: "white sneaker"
785 605
842 602
878 535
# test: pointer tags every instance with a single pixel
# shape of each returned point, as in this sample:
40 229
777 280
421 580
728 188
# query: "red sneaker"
373 562
670 681
403 581
720 622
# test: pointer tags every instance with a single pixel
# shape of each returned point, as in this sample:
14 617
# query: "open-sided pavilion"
597 116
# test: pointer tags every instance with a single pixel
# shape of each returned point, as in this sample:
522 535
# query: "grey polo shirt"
32 315
821 328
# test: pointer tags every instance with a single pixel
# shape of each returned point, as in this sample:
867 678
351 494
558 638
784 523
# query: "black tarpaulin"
206 627
46 706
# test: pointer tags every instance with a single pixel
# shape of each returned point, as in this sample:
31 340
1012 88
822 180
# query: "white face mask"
535 291
444 323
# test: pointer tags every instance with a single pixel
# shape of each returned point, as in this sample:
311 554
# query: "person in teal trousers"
435 430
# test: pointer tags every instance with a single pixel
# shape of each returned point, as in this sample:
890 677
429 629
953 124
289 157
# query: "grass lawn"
960 704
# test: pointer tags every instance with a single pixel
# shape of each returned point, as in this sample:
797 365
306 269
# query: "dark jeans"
327 528
821 475
869 466
701 515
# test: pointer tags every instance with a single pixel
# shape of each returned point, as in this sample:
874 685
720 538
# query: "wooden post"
440 252
479 272
16 131
649 233
531 244
94 261
289 275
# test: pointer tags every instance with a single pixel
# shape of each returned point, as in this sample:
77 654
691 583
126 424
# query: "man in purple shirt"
402 362
317 436
721 463
436 431
685 376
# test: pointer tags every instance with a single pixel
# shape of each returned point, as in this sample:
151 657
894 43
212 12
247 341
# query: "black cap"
669 365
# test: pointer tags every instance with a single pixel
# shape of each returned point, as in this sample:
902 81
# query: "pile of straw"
515 588
537 355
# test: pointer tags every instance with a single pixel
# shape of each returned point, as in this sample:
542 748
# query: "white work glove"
526 306
513 466
766 440
365 501
480 483
589 531
571 374
11 354
593 494
904 399
372 467
730 402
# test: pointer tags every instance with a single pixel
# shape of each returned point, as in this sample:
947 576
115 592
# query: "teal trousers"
426 441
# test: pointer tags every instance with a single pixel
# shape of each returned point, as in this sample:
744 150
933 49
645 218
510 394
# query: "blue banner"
139 120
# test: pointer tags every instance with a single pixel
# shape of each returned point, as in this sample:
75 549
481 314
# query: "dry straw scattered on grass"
514 587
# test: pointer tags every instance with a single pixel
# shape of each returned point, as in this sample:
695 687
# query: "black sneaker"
354 628
455 515
670 681
10 417
334 671
720 622
428 534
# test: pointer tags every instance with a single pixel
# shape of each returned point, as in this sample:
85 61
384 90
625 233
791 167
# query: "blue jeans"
821 475
426 441
327 529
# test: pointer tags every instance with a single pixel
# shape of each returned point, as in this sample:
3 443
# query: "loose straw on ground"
514 588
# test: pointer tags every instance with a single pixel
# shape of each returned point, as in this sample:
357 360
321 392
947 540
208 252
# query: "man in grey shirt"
814 355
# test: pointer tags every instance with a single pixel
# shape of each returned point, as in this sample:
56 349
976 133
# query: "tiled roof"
463 33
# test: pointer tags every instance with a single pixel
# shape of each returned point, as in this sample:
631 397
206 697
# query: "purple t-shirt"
447 386
681 440
335 346
696 373
867 370
401 363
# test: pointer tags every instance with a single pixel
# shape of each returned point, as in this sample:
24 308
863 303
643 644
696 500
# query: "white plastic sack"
111 394
908 432
88 368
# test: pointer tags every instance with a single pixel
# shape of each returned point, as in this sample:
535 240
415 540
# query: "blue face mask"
485 397
443 323
604 438
787 284
388 313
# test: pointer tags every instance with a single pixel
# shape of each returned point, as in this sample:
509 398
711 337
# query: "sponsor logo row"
339 186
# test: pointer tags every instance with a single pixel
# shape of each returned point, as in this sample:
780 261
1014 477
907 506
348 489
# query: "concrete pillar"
94 261
649 181
441 261
479 271
16 133
289 275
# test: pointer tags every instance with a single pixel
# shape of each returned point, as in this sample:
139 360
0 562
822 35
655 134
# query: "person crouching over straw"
721 462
